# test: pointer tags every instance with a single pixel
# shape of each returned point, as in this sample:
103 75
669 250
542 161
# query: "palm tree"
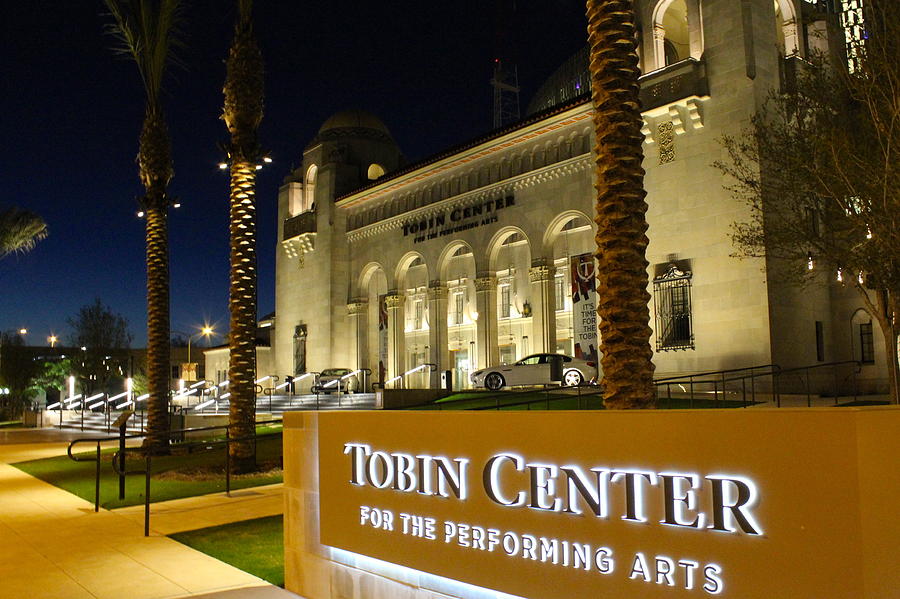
20 230
621 224
148 31
242 112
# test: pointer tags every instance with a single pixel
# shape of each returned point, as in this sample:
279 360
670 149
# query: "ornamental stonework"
437 291
542 272
665 136
357 306
394 300
488 283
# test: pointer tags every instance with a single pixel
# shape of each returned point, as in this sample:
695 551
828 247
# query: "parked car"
336 379
534 370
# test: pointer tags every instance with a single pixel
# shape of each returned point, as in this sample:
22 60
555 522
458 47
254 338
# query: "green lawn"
254 546
175 476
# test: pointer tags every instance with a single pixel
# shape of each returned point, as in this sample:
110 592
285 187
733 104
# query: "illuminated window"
672 304
853 21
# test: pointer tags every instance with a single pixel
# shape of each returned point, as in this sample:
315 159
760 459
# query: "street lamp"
52 339
23 331
205 331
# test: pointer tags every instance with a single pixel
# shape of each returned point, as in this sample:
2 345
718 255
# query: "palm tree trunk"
621 210
242 304
242 112
157 331
155 170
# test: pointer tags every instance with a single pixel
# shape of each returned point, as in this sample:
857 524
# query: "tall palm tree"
621 210
242 112
148 32
20 230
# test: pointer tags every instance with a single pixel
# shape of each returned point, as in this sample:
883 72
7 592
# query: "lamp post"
205 331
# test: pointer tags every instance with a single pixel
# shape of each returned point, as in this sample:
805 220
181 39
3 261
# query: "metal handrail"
122 437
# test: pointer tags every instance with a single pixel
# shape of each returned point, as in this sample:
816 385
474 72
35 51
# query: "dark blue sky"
70 114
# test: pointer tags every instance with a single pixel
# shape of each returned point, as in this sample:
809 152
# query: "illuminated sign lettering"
510 481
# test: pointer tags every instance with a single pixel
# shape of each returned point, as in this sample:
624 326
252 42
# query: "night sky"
71 114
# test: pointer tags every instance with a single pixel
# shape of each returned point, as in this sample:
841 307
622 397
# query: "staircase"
97 422
278 404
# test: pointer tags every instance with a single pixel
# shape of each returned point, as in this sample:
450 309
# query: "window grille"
866 344
504 301
672 305
458 308
419 314
560 288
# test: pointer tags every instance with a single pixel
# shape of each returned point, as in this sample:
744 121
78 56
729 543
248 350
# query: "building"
466 259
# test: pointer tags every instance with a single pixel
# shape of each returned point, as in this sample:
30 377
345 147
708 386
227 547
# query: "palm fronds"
148 32
20 230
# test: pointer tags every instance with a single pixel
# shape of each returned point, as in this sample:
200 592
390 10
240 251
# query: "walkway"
53 545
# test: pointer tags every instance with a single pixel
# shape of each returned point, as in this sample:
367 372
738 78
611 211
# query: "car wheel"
573 378
494 381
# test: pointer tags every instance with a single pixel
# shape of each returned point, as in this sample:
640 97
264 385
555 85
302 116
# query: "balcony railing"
675 82
300 224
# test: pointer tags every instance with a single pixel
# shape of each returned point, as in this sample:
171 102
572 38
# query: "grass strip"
175 476
254 546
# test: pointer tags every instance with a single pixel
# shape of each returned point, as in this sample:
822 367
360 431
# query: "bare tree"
818 167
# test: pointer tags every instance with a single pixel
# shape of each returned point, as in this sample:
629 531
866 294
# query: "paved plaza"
53 545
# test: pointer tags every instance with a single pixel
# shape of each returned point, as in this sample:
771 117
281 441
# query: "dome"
354 119
569 81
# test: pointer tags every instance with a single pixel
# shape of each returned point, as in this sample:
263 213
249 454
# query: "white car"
336 379
534 370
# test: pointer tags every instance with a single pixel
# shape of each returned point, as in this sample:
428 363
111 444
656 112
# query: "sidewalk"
53 545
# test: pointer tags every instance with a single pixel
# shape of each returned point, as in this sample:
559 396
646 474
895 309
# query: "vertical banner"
382 337
584 306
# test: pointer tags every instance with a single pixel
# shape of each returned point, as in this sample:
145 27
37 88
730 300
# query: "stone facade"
471 247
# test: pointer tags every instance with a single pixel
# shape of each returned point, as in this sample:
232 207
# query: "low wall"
393 399
775 503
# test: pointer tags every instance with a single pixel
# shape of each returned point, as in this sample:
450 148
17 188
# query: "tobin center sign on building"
581 504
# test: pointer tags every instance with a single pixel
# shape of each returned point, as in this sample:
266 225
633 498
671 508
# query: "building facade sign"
456 220
584 306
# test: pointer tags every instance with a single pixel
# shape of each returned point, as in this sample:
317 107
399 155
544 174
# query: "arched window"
375 171
786 33
309 202
677 31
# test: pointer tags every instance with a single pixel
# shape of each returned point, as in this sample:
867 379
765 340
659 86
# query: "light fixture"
868 232
860 278
23 331
258 166
223 165
176 205
840 276
809 261
267 159
140 214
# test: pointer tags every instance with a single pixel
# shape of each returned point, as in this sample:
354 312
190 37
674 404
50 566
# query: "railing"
119 461
718 380
684 79
769 380
402 377
300 224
